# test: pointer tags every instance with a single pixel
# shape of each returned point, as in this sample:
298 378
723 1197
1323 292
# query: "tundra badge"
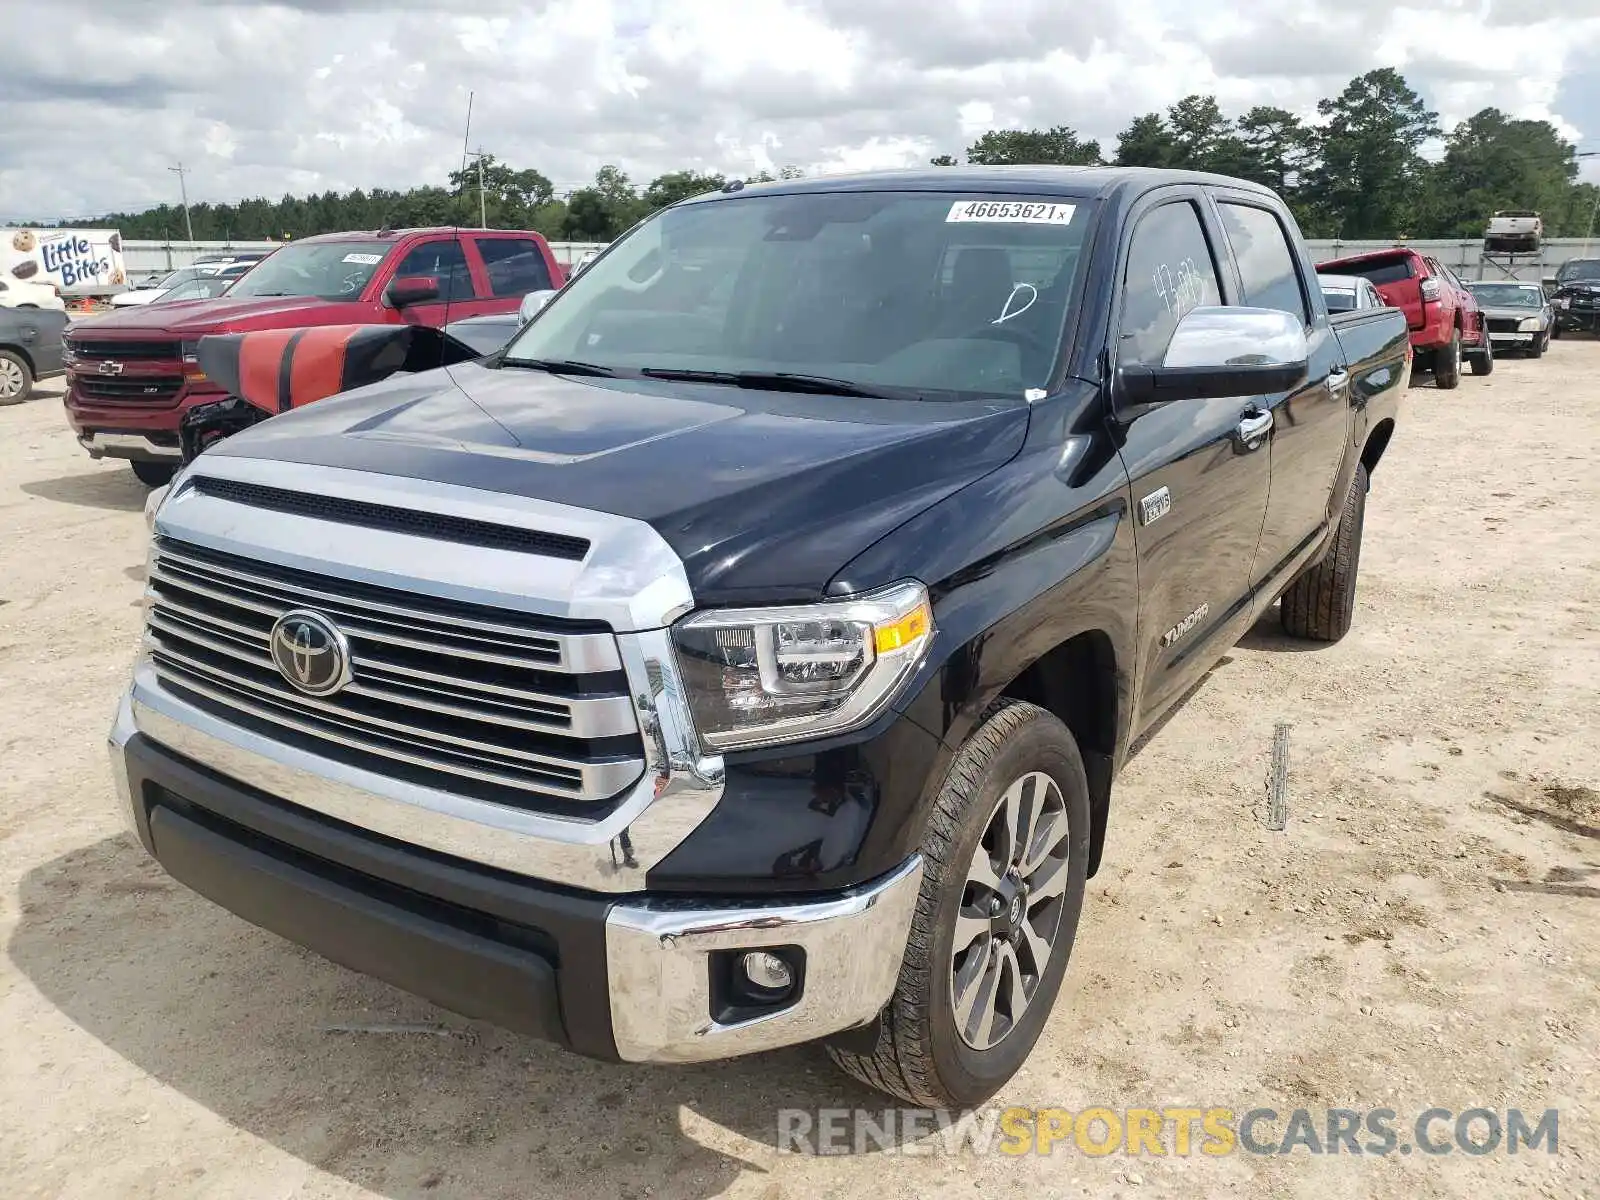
1183 627
1155 506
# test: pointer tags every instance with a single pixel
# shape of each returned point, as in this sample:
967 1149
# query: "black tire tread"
1451 378
1320 604
902 1062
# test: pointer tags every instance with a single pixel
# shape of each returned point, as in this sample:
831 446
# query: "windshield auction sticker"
1012 212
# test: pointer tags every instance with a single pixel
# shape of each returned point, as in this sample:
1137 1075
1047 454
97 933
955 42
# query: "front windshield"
196 289
1583 268
328 270
900 293
1509 295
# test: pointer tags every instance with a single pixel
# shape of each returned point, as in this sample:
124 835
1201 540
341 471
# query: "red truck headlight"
191 362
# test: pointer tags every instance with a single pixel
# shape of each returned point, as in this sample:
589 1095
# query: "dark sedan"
30 349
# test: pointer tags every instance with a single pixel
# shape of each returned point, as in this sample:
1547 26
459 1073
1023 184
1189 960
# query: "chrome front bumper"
658 953
101 444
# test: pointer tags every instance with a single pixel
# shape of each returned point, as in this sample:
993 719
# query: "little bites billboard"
80 262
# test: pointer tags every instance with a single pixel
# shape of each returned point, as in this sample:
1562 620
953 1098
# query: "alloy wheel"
1011 908
11 379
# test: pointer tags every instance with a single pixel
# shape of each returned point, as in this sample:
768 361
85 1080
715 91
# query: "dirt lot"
1422 934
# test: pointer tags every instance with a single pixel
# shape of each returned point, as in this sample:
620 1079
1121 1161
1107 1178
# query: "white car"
149 295
21 293
1349 293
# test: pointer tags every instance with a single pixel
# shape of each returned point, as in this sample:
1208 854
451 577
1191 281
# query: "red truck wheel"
1447 363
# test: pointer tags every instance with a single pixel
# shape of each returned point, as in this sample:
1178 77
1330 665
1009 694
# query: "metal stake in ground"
1278 780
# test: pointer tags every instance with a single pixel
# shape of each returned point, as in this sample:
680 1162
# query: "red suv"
132 374
1446 323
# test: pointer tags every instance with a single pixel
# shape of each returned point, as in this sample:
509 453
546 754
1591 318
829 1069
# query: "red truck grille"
123 351
133 389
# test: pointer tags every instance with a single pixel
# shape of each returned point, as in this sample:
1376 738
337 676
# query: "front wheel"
1483 360
153 474
1537 347
1006 859
1447 363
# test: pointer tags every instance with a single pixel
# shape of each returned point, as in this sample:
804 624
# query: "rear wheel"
1483 360
153 474
1006 858
1321 603
16 380
1447 363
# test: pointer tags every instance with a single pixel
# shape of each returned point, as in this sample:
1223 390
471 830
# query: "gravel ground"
1420 935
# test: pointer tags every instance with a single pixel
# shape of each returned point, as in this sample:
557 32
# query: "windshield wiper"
559 366
772 381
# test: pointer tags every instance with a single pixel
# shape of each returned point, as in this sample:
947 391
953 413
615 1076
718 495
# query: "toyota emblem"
310 652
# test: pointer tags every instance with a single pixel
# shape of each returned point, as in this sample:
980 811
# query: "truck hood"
765 496
187 318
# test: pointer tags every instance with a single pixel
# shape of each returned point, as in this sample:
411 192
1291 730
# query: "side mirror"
1217 352
532 303
412 289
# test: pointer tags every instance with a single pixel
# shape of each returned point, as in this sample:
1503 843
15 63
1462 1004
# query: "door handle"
1254 426
1337 380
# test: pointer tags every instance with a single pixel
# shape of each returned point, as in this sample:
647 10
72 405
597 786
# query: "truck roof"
390 235
1083 182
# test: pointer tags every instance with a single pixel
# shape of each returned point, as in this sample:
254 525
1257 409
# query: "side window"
516 267
441 260
1266 262
1170 271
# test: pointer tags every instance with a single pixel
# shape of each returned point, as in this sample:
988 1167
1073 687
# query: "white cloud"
259 99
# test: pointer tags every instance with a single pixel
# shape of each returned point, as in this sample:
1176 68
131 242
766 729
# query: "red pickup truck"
1446 322
131 375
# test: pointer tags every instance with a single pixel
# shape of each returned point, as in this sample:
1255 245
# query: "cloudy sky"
100 96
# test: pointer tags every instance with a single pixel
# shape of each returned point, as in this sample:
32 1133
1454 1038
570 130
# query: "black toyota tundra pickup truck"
743 654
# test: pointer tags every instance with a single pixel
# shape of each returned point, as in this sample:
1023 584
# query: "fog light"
767 971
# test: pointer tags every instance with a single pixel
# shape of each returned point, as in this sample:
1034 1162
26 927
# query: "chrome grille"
521 710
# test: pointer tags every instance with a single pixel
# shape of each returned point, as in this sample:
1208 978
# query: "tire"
1483 361
153 474
1447 363
1321 602
1555 333
921 1056
1538 346
16 378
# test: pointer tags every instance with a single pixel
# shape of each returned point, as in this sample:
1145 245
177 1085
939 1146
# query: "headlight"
191 361
1530 324
1561 302
760 676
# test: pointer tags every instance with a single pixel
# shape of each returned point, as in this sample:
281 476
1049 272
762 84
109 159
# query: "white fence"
1465 258
144 258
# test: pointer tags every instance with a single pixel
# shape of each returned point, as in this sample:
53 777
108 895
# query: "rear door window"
516 266
1267 266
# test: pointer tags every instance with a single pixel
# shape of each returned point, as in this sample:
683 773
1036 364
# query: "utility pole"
183 191
483 219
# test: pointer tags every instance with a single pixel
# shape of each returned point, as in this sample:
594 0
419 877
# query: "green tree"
1278 148
1057 146
1494 162
944 160
1371 175
1202 138
1146 143
680 185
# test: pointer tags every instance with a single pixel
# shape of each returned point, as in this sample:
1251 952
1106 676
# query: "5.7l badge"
1155 506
